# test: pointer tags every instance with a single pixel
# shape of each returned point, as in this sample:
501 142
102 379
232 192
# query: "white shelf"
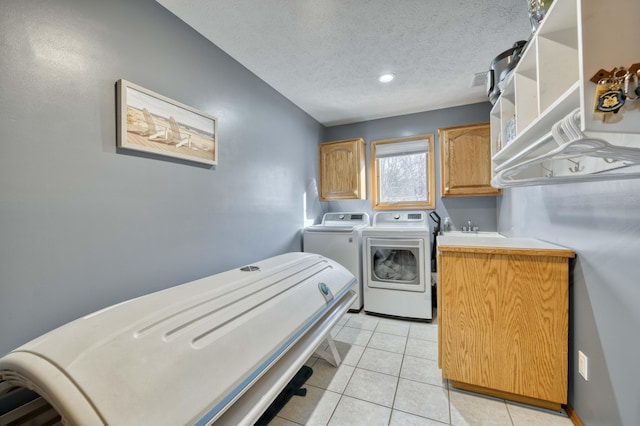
552 79
524 143
557 65
526 86
527 111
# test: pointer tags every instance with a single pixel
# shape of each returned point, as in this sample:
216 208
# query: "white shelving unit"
576 39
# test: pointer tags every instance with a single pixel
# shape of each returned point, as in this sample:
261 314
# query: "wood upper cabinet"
342 170
465 161
503 316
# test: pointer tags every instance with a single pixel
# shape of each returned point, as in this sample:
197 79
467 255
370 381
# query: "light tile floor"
389 376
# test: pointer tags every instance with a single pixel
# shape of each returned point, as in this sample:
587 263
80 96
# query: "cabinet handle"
446 189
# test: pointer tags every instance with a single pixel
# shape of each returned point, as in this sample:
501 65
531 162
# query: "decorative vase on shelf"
537 11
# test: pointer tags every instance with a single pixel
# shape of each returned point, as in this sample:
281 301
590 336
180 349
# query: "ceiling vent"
479 79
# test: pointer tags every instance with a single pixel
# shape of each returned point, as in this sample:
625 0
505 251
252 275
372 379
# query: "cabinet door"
342 170
504 320
465 161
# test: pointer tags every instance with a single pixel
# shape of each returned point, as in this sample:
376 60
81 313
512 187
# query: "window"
403 173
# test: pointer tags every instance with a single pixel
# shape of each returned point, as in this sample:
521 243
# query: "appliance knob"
396 217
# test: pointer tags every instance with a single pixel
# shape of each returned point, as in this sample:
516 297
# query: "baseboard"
555 406
573 416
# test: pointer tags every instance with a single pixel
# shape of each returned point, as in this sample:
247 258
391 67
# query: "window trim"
430 204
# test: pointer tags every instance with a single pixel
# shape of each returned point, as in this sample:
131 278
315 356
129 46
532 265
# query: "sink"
473 234
480 238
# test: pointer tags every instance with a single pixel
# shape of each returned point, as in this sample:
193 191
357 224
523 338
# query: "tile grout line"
333 412
506 406
449 401
398 377
342 392
395 393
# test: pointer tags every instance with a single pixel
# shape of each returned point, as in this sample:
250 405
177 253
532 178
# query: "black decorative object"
294 387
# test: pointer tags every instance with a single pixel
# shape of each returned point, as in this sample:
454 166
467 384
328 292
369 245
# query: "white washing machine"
338 237
396 265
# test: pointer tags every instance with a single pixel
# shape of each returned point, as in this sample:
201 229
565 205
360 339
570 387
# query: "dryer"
338 237
396 267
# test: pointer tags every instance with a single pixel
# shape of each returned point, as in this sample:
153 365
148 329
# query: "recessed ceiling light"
386 78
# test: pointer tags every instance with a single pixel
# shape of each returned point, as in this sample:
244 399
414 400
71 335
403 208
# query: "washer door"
395 263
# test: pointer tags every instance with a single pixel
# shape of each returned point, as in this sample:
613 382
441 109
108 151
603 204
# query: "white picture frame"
150 122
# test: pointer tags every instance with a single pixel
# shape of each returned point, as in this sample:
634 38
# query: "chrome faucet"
470 227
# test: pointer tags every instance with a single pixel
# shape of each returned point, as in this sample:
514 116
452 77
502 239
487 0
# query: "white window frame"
400 146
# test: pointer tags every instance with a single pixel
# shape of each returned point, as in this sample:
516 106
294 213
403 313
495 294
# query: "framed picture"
153 123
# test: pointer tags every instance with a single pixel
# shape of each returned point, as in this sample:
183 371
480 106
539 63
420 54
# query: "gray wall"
83 226
481 210
599 221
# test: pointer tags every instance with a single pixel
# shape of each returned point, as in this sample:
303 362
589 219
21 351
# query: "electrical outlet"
583 365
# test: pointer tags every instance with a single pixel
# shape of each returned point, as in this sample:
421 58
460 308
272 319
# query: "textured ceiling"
326 55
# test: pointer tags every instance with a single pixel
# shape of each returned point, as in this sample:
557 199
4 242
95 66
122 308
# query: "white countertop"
493 240
460 234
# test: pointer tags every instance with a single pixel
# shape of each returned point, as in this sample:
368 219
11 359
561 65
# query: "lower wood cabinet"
503 319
